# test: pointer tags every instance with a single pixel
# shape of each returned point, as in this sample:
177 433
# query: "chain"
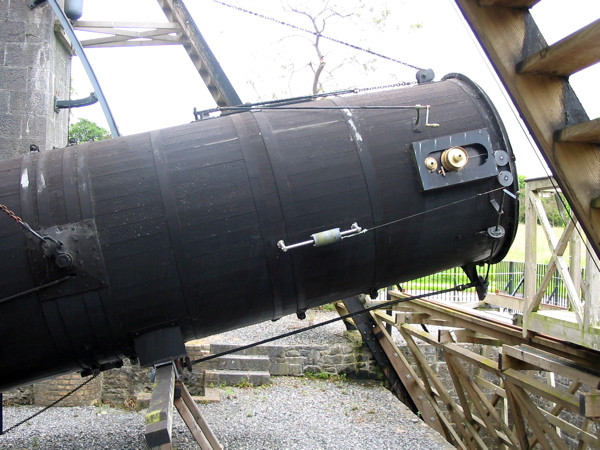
11 214
386 86
338 41
71 392
20 221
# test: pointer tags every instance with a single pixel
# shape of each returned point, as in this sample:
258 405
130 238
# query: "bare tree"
319 22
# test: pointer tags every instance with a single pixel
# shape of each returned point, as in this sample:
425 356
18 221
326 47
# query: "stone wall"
48 391
35 67
352 359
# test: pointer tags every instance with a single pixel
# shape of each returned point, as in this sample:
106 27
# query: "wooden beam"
589 405
565 327
547 103
470 437
573 430
129 39
159 418
569 55
542 360
516 303
126 34
469 336
517 416
583 132
487 412
473 358
509 334
409 378
190 413
545 434
540 388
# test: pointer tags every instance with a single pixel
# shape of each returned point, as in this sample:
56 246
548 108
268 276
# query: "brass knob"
431 163
454 158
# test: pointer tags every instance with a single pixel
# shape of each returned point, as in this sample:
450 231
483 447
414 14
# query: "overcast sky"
156 87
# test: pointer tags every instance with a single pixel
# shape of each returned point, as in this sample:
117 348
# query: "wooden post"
591 292
530 282
159 418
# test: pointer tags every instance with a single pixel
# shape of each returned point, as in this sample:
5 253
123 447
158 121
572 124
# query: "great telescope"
129 247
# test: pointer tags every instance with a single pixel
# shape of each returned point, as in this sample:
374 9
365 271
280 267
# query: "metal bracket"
324 237
74 250
425 76
67 104
33 3
159 345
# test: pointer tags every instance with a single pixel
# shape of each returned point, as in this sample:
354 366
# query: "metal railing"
505 277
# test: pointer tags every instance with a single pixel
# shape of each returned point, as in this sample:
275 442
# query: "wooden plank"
557 247
583 132
415 386
569 55
584 436
515 303
591 293
454 349
385 317
497 390
459 388
402 318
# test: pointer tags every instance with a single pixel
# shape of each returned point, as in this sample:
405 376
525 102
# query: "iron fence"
505 277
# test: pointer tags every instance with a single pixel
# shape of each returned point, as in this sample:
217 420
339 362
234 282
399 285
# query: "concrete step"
233 377
269 350
255 363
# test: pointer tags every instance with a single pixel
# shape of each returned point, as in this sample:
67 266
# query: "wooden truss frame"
580 324
530 380
497 388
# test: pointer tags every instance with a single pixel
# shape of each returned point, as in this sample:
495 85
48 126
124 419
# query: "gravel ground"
291 413
332 333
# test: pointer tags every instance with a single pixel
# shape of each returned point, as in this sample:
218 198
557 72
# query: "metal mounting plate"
481 165
80 240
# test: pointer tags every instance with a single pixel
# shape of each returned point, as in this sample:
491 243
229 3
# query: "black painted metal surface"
179 227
